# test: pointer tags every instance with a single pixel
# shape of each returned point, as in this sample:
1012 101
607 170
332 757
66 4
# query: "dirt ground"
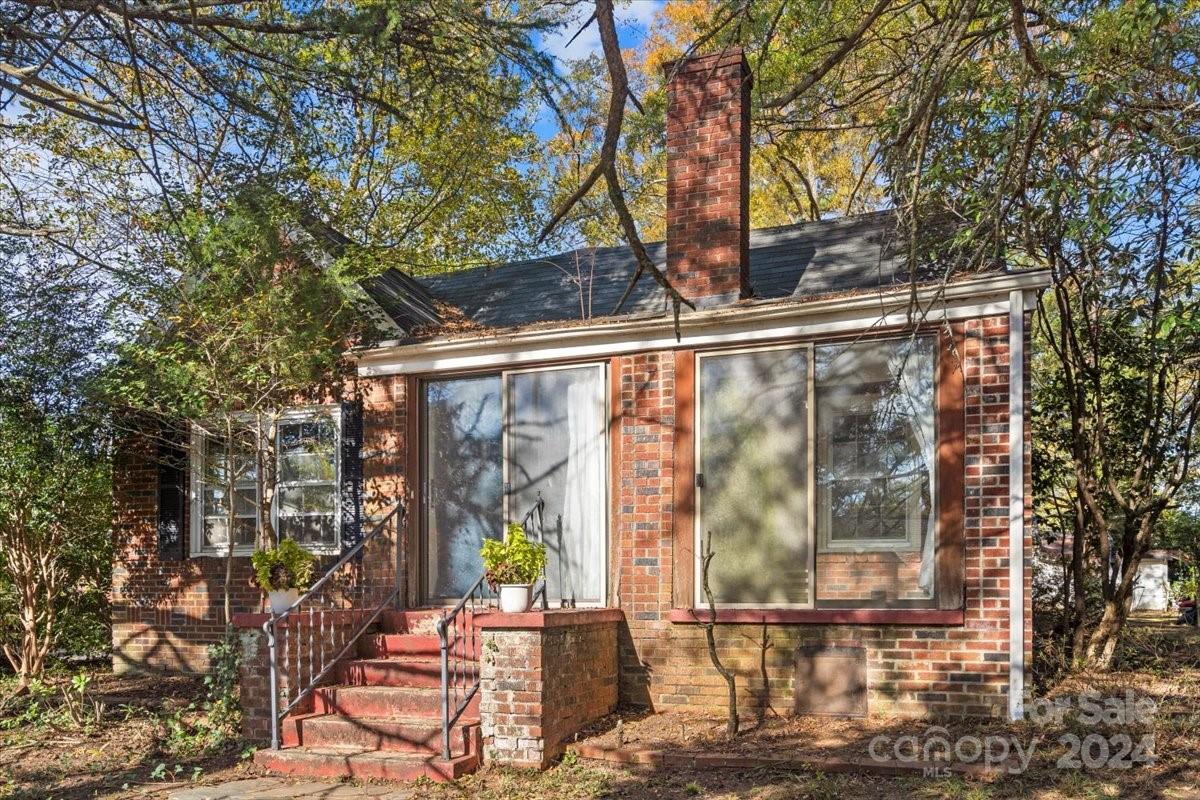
142 747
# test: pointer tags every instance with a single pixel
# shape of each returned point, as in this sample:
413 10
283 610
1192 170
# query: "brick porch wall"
540 684
166 612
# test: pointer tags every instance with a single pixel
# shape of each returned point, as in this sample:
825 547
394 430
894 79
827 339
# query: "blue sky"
633 25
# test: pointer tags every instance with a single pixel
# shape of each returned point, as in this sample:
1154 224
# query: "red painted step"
422 621
383 718
383 701
351 762
383 645
417 735
414 671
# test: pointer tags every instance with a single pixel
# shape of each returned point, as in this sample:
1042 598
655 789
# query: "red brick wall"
708 176
885 575
911 670
167 611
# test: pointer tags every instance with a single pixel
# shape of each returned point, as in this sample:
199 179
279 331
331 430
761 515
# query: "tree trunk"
265 433
1102 644
731 725
230 520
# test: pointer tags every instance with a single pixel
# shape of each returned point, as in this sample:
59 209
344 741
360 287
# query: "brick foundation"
544 676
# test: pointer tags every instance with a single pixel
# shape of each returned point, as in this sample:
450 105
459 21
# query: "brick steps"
410 735
351 762
408 671
382 701
382 645
382 717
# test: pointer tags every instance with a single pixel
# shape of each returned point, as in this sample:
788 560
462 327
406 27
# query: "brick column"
255 689
543 677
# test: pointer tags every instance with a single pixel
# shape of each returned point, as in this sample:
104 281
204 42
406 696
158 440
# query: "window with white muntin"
816 474
307 479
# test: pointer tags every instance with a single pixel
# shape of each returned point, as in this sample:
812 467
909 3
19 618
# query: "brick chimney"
708 177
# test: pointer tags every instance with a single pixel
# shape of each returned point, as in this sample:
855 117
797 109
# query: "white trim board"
966 299
1016 508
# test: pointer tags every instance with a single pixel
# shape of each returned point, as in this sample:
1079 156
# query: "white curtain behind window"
583 501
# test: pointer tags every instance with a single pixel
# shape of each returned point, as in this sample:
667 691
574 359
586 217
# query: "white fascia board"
987 296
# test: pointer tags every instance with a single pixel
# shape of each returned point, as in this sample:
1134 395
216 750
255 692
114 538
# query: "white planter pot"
281 601
516 598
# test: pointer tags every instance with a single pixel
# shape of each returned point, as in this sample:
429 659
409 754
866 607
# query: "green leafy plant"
288 566
222 701
82 710
515 560
1186 585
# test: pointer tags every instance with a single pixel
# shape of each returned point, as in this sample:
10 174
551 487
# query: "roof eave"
390 357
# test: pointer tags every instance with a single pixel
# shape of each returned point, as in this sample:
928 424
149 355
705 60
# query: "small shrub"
82 710
1186 585
288 566
516 560
222 705
190 732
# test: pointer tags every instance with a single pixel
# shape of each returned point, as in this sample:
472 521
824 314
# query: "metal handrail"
457 642
457 649
319 669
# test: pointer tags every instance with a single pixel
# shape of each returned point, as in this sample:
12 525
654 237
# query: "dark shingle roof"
794 261
403 298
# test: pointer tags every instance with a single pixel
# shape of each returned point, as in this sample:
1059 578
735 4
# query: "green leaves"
288 566
515 560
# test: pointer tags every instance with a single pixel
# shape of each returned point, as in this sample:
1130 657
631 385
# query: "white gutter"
1016 506
985 296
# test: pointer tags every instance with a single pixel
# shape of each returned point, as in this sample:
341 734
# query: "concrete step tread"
411 720
342 761
415 661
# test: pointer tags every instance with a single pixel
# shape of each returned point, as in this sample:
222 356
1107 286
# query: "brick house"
863 473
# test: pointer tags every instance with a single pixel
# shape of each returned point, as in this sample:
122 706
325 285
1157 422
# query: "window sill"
821 616
237 553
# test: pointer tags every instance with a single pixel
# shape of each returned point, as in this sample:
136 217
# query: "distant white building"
1152 586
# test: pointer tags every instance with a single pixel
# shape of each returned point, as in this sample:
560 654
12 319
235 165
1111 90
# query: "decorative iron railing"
459 641
306 642
460 658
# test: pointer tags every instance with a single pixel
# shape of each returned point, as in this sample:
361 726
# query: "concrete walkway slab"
283 789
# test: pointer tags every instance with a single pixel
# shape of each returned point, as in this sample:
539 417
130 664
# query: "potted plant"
511 566
283 572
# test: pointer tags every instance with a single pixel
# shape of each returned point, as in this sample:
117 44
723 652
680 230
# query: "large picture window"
306 482
752 470
816 472
495 448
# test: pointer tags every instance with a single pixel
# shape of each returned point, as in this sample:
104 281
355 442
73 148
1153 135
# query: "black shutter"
172 495
351 489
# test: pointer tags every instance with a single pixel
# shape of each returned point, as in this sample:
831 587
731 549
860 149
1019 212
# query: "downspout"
1016 505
